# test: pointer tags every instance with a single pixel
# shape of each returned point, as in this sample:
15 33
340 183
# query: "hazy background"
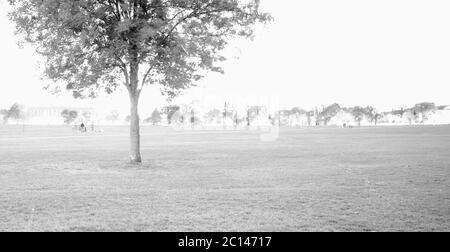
385 53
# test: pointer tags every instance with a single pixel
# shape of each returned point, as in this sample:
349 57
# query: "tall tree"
329 112
170 111
358 113
97 44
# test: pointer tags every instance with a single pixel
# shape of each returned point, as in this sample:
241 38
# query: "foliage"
329 112
424 107
15 112
155 118
371 114
97 44
359 113
3 112
69 116
170 112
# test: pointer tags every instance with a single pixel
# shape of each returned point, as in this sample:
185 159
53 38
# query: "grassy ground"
318 179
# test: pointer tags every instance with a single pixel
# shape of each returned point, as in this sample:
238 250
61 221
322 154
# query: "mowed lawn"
315 179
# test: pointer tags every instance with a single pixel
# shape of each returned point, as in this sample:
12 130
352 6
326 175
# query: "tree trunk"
135 141
134 92
135 137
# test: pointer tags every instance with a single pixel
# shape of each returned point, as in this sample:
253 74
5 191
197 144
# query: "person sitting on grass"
82 127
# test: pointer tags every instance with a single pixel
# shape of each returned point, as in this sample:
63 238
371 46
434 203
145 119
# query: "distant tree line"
176 114
359 113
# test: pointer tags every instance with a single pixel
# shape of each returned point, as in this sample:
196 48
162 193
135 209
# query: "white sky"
384 53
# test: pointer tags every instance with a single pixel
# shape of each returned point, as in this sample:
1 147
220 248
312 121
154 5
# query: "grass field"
316 179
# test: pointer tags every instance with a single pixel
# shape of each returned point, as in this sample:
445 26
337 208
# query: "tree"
69 116
15 112
377 117
93 45
155 118
372 114
3 112
424 107
170 111
329 112
358 113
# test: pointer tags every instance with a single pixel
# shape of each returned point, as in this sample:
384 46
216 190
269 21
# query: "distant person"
92 127
82 127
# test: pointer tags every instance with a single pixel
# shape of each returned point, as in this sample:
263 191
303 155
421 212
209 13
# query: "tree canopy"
69 116
155 118
98 44
15 112
329 112
424 107
170 111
